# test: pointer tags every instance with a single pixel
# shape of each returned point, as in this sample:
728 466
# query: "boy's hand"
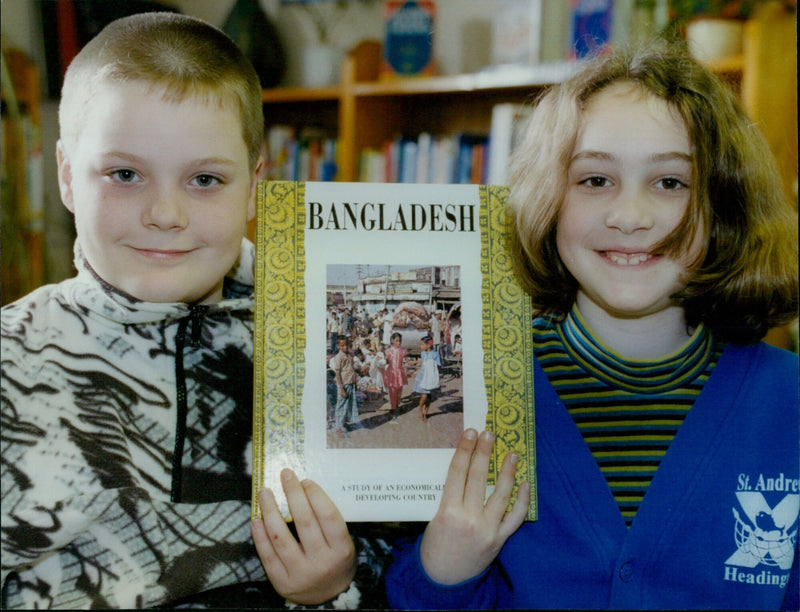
322 563
467 533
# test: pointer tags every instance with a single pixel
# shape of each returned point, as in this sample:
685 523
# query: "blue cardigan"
716 529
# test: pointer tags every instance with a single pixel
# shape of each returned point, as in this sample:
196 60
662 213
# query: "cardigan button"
626 572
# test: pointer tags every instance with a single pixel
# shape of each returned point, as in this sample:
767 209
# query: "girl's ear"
65 177
257 176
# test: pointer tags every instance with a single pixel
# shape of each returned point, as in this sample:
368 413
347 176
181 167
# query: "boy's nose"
165 211
630 212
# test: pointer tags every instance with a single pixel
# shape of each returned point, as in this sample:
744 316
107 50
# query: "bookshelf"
365 111
22 177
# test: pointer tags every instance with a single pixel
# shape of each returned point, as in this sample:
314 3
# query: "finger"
286 546
330 520
453 492
305 521
519 511
270 559
475 493
497 503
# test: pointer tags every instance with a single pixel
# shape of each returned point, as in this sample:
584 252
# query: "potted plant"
320 62
713 28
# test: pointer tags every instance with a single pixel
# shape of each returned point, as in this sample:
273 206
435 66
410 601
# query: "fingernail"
488 436
470 434
513 458
286 474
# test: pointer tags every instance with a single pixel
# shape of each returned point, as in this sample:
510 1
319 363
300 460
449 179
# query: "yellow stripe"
641 453
630 468
627 439
604 424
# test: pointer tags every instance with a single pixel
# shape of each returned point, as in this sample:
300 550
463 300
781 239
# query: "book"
408 38
516 32
455 158
590 28
505 132
429 254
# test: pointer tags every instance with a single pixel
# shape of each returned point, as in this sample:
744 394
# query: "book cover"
364 260
516 32
408 38
508 120
590 29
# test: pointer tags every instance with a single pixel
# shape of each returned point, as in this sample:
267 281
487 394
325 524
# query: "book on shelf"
507 124
460 158
516 32
590 27
408 38
307 154
432 256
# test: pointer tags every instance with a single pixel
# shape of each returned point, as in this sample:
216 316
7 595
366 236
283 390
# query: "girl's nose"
165 211
630 212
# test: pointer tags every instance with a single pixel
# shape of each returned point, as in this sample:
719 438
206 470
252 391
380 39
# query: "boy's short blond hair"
180 55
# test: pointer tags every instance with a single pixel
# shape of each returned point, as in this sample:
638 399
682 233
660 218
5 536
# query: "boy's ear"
64 177
258 174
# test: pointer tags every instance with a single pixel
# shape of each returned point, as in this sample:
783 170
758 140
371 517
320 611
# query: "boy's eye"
205 180
124 175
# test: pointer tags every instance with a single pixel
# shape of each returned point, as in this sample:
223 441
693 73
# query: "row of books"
457 158
309 154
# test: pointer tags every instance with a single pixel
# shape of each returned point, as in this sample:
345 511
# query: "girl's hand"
467 533
322 563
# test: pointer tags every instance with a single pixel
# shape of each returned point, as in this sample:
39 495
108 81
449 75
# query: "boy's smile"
629 186
161 192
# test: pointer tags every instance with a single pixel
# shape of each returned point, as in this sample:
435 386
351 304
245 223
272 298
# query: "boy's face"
343 346
161 192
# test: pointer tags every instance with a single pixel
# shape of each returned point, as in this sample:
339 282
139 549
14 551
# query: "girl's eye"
596 182
670 183
205 180
124 175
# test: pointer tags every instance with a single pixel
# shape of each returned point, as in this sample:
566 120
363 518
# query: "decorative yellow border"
507 346
278 430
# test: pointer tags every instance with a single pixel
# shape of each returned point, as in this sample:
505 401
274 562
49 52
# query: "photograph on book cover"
387 321
393 356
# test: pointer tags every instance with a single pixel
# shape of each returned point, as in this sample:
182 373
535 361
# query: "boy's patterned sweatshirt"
126 430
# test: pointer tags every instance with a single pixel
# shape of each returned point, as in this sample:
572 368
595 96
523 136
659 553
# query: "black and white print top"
126 431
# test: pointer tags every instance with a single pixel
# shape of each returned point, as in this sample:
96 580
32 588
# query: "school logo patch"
765 534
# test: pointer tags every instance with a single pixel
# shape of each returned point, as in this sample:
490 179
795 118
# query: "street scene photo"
393 356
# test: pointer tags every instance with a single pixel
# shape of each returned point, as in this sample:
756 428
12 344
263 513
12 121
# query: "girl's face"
423 346
628 187
396 341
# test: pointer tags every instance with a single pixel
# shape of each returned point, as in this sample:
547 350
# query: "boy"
127 390
343 367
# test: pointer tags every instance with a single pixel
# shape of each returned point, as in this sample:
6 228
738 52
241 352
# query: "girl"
654 238
427 379
395 376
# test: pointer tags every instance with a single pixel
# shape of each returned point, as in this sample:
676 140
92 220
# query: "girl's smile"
629 184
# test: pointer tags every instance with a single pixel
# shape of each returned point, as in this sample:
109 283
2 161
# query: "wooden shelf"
366 110
300 94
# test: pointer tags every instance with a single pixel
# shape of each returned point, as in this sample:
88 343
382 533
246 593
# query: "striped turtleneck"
628 410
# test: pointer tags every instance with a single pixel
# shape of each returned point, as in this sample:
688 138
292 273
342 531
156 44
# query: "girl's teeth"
628 260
